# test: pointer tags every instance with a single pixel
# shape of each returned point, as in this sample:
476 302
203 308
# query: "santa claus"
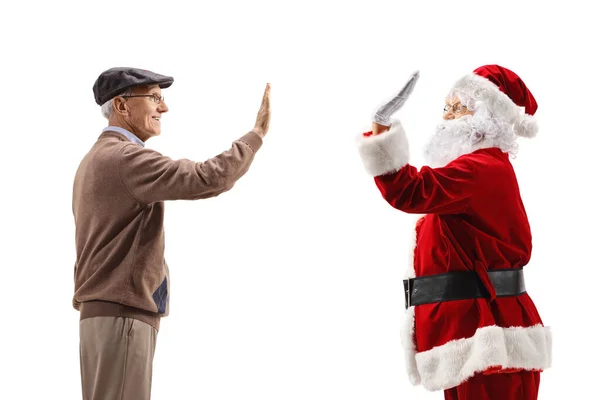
472 330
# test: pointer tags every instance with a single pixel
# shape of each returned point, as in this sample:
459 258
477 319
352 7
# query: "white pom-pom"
526 126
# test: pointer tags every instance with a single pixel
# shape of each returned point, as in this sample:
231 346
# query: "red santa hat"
502 92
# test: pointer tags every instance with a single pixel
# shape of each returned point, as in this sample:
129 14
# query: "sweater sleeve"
151 177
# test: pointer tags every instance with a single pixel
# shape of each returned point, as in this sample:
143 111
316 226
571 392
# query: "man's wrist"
259 131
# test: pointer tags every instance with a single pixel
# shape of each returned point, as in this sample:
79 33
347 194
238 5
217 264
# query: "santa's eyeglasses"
456 108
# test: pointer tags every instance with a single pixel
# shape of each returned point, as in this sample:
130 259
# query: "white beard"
464 135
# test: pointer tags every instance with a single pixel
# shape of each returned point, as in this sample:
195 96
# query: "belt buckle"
407 293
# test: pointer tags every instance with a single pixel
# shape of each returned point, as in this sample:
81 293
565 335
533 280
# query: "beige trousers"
116 355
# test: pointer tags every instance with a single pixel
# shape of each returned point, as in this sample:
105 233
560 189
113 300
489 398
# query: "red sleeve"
446 190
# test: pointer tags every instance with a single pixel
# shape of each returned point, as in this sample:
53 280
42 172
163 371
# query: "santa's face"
452 136
463 131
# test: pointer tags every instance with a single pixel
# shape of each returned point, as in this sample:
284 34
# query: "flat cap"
115 81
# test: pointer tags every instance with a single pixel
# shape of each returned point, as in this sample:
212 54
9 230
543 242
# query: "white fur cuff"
384 153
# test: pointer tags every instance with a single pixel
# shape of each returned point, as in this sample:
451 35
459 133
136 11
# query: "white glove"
382 116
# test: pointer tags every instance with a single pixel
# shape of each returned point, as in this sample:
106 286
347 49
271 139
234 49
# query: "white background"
289 285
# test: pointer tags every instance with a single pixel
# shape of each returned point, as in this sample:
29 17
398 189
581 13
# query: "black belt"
461 286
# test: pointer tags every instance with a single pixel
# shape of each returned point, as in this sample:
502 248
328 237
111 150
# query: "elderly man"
121 276
472 330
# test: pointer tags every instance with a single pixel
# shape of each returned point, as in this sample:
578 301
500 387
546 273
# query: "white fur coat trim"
384 153
410 270
451 364
410 348
408 326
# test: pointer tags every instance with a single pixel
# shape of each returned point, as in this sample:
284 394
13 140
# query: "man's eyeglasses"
155 98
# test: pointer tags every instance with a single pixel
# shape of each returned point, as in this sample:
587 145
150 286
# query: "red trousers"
522 385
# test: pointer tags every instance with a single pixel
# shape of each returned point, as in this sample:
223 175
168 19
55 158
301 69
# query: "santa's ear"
476 137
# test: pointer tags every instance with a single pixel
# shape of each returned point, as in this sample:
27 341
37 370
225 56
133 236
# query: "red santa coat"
475 221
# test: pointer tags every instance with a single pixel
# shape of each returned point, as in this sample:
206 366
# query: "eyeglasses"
155 98
457 108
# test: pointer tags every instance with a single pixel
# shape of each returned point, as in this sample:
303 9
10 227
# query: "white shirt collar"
126 133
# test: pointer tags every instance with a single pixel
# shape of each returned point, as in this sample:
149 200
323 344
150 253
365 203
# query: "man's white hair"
107 107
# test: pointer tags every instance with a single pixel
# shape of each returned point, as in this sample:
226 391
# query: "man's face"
143 112
455 109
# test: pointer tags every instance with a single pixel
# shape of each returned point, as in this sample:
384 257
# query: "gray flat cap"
115 81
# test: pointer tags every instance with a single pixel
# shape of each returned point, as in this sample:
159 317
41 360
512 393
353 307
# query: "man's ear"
120 106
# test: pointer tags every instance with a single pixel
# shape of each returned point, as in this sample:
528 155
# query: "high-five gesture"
264 114
381 118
